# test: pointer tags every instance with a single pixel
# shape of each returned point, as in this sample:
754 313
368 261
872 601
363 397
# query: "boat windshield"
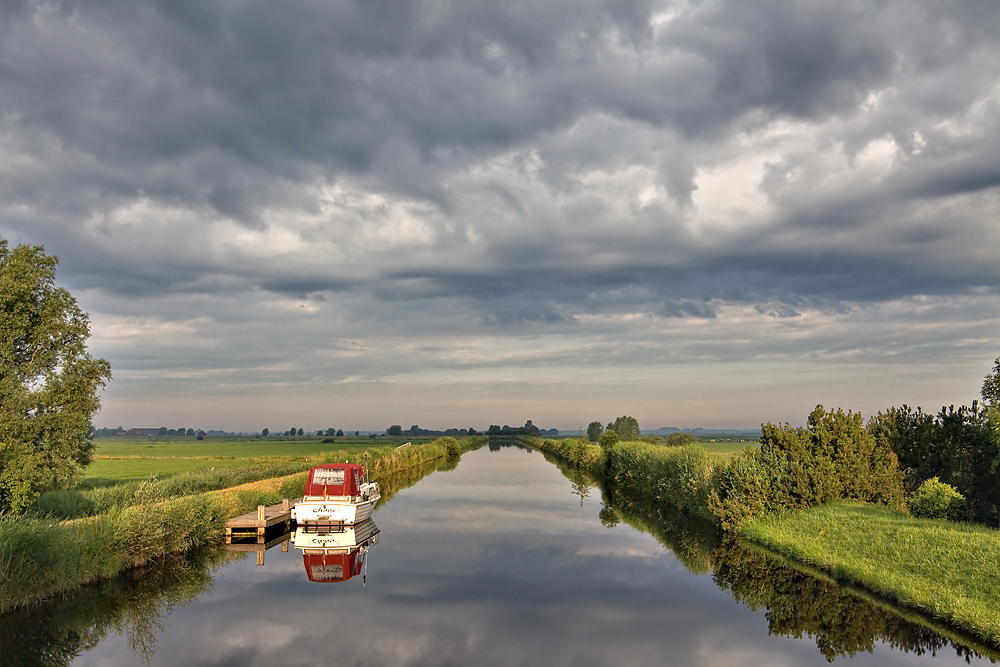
331 476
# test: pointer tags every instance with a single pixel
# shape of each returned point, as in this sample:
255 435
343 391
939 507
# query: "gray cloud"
552 177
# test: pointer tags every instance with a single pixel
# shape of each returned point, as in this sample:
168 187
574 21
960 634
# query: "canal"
501 561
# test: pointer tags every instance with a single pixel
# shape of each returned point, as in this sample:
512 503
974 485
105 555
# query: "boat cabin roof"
335 479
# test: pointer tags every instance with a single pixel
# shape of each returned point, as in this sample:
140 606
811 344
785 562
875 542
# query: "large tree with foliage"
627 428
48 380
594 430
991 387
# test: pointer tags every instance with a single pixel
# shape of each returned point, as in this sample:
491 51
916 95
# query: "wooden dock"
258 522
260 547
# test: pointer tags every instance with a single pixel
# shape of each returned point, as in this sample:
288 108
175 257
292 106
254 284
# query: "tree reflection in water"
133 604
842 620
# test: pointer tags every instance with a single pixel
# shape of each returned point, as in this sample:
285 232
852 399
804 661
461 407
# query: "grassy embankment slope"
126 525
945 570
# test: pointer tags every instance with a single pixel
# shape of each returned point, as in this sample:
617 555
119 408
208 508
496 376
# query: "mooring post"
261 512
260 557
284 505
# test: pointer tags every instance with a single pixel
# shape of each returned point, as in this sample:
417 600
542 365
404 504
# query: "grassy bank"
42 557
947 570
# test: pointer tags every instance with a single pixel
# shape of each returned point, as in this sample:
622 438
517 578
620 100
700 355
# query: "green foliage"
48 381
608 439
937 500
991 386
834 457
960 446
680 439
677 476
395 429
453 449
594 430
627 428
747 486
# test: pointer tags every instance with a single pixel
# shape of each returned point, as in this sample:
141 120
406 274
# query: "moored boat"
336 494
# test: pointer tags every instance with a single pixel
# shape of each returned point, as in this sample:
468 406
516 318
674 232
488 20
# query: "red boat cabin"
335 479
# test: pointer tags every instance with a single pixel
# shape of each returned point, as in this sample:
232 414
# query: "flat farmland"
119 459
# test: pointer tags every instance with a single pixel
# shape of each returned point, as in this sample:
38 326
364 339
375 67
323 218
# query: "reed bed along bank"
678 477
41 557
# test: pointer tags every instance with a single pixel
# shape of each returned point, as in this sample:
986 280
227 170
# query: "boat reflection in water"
333 552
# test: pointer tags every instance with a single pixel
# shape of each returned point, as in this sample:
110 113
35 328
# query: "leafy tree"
329 432
473 431
340 433
48 380
594 430
190 431
395 429
359 433
162 431
300 432
291 431
265 432
529 429
991 386
627 428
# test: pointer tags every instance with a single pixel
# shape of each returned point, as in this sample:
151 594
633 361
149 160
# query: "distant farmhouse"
141 432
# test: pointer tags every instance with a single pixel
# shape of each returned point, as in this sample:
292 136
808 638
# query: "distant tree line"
528 429
396 429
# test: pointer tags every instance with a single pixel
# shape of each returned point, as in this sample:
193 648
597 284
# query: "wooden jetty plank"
261 519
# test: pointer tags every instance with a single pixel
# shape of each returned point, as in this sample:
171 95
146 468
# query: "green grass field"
725 448
945 569
118 459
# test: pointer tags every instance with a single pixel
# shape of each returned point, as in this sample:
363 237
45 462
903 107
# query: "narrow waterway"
501 561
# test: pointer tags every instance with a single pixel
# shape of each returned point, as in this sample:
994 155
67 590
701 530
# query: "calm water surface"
503 561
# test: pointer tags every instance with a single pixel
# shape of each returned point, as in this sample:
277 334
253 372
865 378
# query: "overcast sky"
355 214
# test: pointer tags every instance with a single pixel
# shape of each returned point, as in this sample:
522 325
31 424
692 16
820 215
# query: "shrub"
936 500
453 449
608 439
747 487
834 457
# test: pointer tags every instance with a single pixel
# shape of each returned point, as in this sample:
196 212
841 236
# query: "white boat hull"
347 510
